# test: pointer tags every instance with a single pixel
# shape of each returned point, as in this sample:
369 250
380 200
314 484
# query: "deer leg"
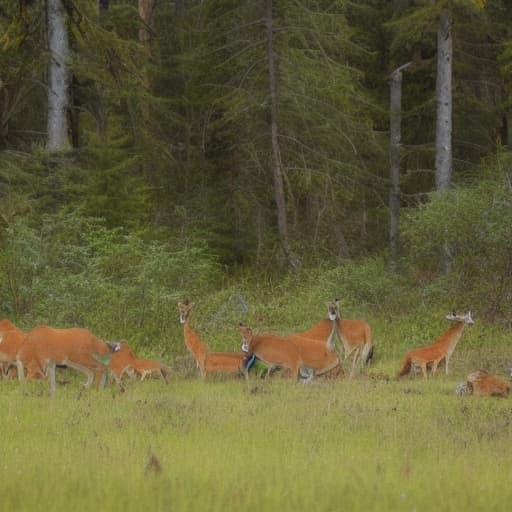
424 370
21 370
354 362
87 371
50 373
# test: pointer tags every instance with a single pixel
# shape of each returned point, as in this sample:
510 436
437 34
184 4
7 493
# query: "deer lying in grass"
208 362
76 348
482 383
355 336
124 362
274 351
442 348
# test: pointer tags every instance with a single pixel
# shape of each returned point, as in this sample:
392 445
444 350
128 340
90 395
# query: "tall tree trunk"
277 171
444 117
444 103
179 8
146 8
395 135
58 77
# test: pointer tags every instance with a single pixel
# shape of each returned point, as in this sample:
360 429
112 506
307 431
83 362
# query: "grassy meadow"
371 443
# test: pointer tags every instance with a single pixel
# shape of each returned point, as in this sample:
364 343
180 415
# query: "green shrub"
476 223
71 270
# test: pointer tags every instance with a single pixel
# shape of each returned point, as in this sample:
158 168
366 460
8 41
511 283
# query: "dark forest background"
214 148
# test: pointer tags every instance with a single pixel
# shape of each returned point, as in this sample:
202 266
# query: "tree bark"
444 118
444 103
277 171
58 77
146 8
395 135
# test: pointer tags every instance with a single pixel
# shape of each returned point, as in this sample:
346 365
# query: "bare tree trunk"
58 77
395 135
444 116
179 8
146 8
444 103
277 172
394 161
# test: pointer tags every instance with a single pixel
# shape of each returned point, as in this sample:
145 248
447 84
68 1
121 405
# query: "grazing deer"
355 336
208 362
482 383
76 348
145 367
442 348
274 351
121 362
124 361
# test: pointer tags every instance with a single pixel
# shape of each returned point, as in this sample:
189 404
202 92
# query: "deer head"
184 309
333 309
467 318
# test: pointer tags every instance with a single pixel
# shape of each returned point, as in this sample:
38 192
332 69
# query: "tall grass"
366 444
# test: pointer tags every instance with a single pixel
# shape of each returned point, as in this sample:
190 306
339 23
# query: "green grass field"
371 443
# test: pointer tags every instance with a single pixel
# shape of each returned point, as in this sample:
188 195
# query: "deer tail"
368 353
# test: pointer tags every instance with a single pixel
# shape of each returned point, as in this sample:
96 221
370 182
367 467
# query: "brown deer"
11 339
76 348
125 362
274 351
441 349
207 361
145 367
482 383
316 353
355 336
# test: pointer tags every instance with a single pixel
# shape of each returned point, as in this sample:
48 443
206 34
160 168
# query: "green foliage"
71 270
476 222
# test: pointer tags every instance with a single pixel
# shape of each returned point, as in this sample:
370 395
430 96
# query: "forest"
152 151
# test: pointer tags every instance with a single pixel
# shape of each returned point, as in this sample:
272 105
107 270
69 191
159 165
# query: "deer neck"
452 336
194 343
346 344
335 334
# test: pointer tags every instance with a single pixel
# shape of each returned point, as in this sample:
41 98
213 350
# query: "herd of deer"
39 351
320 352
314 353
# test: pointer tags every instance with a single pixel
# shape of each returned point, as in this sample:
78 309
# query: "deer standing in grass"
76 348
206 361
482 383
316 352
11 340
442 348
274 351
355 336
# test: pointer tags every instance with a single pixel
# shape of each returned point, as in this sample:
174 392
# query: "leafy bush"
71 270
476 223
